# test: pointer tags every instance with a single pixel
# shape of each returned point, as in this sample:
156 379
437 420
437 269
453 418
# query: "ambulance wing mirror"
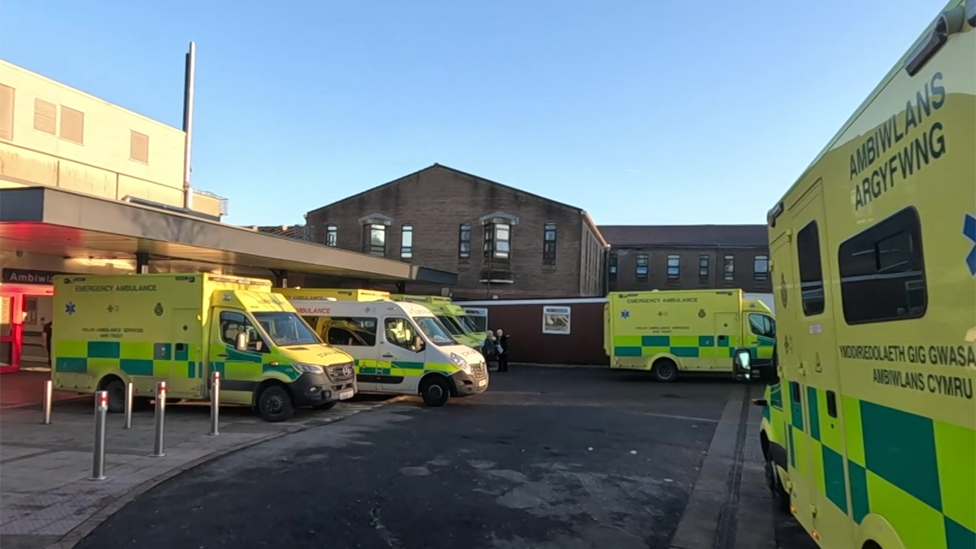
742 365
241 343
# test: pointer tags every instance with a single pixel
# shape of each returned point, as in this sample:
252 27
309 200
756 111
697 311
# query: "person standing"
502 340
47 331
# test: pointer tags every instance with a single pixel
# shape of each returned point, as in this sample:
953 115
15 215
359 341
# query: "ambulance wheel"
665 370
435 391
116 395
274 404
781 499
326 405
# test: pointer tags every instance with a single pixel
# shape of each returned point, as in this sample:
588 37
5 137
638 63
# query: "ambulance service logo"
625 314
69 308
158 309
701 313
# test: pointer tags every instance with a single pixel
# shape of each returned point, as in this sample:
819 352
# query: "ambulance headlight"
308 368
459 361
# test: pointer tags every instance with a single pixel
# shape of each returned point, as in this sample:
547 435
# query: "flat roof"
46 220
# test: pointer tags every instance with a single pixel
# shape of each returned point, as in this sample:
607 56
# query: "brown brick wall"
437 200
626 279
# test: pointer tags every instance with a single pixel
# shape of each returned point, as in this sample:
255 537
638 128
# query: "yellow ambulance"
869 433
178 328
686 331
452 316
399 347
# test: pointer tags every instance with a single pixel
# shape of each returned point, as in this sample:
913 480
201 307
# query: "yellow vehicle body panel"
872 425
698 330
340 294
159 327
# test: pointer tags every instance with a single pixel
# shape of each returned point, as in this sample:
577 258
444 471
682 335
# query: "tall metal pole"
160 413
98 454
128 405
215 403
188 85
48 397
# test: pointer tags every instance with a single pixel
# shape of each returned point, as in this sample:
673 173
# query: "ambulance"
399 347
452 316
869 433
686 331
179 328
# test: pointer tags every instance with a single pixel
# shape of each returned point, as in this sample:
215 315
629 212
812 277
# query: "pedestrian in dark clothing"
502 340
47 330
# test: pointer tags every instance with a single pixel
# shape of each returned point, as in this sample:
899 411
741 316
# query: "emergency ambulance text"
928 146
119 288
663 300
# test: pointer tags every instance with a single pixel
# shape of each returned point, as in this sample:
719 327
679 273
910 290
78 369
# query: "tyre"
435 391
326 405
116 395
781 500
274 404
665 370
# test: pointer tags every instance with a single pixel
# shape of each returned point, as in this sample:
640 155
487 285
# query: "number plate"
482 383
347 394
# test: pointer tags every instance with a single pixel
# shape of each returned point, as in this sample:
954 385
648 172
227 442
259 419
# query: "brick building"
500 240
688 257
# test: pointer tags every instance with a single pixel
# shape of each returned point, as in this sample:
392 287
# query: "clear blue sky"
639 111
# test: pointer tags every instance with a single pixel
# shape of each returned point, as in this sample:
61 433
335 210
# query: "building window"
464 241
729 267
374 239
72 125
613 267
641 267
703 267
7 112
138 147
760 267
811 273
45 116
674 267
498 241
406 242
331 235
549 244
882 271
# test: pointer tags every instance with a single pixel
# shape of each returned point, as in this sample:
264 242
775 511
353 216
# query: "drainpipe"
188 83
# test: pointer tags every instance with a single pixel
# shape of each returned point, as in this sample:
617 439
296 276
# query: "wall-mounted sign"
556 320
29 276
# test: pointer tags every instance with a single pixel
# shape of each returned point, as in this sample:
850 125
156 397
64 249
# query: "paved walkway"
46 495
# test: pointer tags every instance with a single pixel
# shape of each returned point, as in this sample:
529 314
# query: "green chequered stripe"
406 368
162 359
915 471
685 346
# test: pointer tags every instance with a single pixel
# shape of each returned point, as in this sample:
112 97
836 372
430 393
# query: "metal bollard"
215 403
98 455
48 398
160 412
128 406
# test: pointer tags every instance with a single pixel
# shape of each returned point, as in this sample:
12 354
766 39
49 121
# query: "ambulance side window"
762 325
882 271
811 270
356 331
400 332
232 323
